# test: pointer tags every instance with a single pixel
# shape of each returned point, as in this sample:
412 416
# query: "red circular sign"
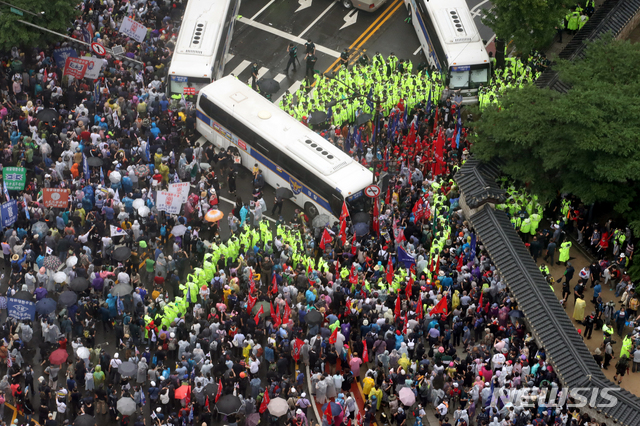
98 49
372 191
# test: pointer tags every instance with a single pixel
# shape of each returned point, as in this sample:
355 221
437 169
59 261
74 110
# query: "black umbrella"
127 369
228 404
84 420
313 317
361 217
45 306
79 284
94 161
284 193
23 295
361 228
268 85
211 389
205 333
121 254
48 115
67 298
317 117
362 118
516 313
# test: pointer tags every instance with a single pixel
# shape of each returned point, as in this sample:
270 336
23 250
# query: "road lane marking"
279 78
237 70
253 18
477 6
288 36
262 71
292 89
417 50
318 18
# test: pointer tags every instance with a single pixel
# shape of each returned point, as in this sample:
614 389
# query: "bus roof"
288 135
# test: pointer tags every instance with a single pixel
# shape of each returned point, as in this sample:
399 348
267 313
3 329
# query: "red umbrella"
182 391
58 357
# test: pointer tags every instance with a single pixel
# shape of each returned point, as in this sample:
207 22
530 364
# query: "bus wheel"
310 210
347 4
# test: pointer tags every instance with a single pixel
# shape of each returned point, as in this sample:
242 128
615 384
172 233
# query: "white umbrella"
59 277
71 261
123 215
143 211
179 230
83 353
137 203
115 177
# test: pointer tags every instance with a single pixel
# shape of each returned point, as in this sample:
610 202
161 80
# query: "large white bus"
203 42
320 175
452 44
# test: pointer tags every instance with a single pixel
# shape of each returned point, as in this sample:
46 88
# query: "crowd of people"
215 328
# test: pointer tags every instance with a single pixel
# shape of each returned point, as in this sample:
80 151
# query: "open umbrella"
58 357
67 298
211 389
265 305
23 295
361 217
142 170
47 115
182 391
79 284
363 118
123 215
45 306
336 409
115 177
84 420
72 261
126 406
320 221
40 228
83 353
278 407
252 419
143 211
406 396
137 203
268 85
127 369
94 162
228 404
213 215
317 117
516 313
205 333
121 290
361 228
313 317
59 277
284 193
121 254
52 262
179 230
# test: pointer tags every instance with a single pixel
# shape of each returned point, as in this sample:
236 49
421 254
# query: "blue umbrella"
45 306
336 409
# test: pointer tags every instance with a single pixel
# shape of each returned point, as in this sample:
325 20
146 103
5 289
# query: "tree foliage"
585 142
58 16
529 23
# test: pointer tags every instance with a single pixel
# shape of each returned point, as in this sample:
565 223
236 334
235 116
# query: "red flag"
265 401
275 315
439 166
327 413
251 275
480 303
359 417
260 312
252 287
274 284
420 314
389 271
343 231
219 391
251 303
441 307
188 398
418 210
353 244
365 352
376 213
387 198
309 269
406 323
287 312
409 289
297 349
334 336
353 274
345 212
206 403
325 239
396 311
460 260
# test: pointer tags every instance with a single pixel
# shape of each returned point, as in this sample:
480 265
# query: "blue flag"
143 399
85 165
6 191
429 101
329 114
148 151
472 249
347 142
96 92
101 176
26 208
405 258
119 305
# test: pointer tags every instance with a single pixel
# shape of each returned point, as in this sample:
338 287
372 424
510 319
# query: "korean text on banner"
181 190
94 67
61 55
56 197
21 309
133 29
168 202
76 67
9 212
15 178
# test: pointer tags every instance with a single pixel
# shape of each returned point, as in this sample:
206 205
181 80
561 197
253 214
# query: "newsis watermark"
568 397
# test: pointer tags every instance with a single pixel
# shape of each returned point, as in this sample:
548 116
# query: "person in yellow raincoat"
377 392
367 385
578 310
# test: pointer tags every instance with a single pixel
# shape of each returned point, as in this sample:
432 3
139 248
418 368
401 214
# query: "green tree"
58 16
585 142
530 24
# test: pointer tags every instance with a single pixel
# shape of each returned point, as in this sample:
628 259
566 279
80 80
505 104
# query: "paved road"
266 27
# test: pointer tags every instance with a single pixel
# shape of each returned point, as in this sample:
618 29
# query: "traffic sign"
372 191
98 49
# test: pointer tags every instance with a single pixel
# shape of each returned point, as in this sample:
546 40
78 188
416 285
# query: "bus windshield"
178 83
468 76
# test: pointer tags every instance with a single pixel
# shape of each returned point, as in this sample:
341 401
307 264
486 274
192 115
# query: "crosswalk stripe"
292 89
262 71
279 78
228 58
237 70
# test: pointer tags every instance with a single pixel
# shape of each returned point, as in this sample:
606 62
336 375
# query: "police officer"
311 63
310 48
344 57
293 56
254 76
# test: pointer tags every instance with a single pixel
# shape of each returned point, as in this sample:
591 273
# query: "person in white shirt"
442 410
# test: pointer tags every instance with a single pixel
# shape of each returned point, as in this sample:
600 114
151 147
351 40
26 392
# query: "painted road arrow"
350 19
304 4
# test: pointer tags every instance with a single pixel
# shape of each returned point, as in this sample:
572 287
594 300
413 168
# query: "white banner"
117 232
133 29
94 67
181 190
168 202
